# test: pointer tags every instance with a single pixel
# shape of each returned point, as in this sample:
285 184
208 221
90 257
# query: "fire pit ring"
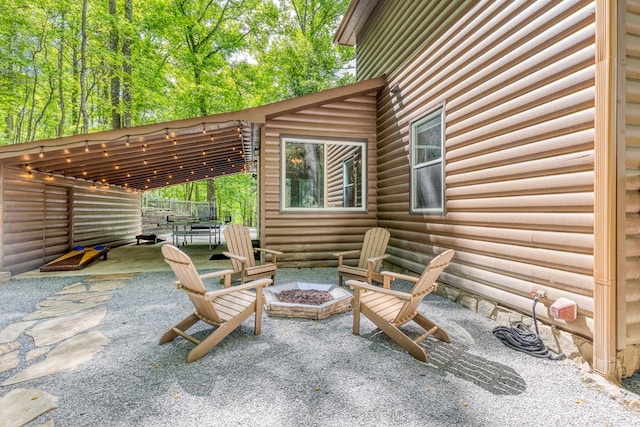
340 303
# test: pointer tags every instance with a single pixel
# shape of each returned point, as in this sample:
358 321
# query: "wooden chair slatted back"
238 241
424 285
189 281
374 244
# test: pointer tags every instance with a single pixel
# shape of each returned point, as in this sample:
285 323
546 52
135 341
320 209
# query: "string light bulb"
86 146
166 133
41 153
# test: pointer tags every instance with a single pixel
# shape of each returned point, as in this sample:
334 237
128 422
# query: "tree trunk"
8 132
116 121
197 80
211 190
83 69
61 104
126 66
75 109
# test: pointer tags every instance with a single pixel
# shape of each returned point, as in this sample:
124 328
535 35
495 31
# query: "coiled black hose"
521 338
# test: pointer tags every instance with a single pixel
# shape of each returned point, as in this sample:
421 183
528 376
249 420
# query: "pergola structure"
168 153
145 157
85 189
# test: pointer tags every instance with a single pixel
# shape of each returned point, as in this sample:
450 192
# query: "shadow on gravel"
493 377
632 384
454 359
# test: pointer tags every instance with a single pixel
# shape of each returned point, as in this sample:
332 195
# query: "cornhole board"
77 259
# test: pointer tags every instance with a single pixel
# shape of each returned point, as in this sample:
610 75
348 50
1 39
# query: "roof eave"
355 17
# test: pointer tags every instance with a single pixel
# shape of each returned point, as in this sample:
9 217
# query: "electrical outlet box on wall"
564 309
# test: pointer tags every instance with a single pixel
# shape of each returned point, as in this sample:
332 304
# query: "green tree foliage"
236 197
69 67
302 56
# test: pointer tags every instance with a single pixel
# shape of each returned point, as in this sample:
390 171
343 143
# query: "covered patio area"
296 372
146 257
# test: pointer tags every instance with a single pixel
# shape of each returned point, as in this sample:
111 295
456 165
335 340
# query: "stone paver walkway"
63 335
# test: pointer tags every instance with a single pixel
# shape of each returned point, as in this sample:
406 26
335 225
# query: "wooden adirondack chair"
224 309
390 309
241 253
372 254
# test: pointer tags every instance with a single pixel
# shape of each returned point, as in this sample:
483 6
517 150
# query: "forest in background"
71 67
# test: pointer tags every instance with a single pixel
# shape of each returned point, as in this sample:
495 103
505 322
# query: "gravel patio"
297 372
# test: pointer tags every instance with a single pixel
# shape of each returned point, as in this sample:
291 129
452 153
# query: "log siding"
311 239
517 81
44 216
629 300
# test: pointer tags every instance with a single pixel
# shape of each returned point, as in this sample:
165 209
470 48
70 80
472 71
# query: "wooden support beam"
605 189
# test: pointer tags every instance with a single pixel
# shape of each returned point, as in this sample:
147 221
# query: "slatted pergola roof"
143 157
158 155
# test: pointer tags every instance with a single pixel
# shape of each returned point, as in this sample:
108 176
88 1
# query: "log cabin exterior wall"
44 216
517 83
629 303
311 238
407 29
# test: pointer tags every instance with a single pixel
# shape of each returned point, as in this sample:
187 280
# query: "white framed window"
322 174
427 163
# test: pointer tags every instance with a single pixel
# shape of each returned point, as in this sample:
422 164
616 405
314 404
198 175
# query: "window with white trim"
322 174
427 164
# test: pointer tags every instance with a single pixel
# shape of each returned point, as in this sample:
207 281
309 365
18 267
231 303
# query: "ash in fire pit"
307 300
304 296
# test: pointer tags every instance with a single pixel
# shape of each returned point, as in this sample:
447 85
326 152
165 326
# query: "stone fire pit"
340 303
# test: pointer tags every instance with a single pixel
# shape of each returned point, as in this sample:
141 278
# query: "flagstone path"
61 329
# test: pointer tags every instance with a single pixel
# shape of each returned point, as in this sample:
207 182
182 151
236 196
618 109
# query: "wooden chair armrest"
268 251
226 274
255 284
393 276
220 273
357 284
234 256
375 259
390 276
378 258
274 254
341 254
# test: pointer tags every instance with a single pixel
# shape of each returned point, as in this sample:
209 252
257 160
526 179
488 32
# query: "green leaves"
172 59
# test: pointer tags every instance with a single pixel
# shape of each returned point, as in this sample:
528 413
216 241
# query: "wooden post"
605 190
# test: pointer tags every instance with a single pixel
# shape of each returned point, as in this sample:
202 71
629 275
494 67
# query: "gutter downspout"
605 189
